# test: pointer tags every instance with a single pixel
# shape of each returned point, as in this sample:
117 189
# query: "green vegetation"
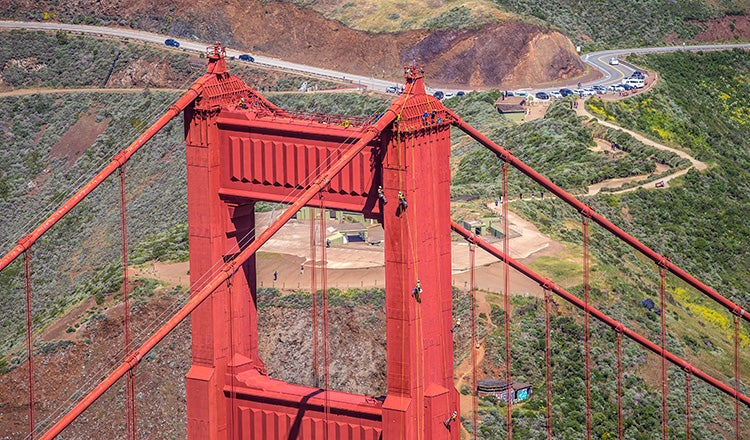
599 24
701 103
557 146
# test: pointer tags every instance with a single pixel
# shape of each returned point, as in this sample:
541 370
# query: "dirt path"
594 189
37 91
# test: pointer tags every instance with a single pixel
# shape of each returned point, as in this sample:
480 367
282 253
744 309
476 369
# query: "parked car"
556 95
566 92
589 92
391 89
541 95
460 93
172 42
637 74
439 94
448 94
599 89
246 57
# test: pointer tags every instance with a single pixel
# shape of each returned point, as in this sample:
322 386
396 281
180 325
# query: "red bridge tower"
242 149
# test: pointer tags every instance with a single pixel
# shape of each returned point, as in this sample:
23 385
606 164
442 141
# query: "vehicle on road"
556 95
460 93
172 42
541 95
246 57
566 92
439 94
614 61
391 89
448 95
599 89
637 74
634 82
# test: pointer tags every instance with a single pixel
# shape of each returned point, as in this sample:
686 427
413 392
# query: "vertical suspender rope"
548 362
737 382
314 296
664 384
506 276
232 390
688 376
474 342
29 337
324 286
618 349
130 424
586 325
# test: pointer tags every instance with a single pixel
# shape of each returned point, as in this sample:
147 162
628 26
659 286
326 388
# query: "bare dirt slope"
508 54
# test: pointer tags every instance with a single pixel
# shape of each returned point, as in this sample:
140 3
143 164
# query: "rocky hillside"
506 54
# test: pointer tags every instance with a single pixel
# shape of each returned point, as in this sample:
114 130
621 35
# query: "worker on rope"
417 291
456 325
402 200
381 195
447 422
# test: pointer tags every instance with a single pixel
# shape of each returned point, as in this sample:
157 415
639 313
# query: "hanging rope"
664 385
131 426
548 362
586 325
233 391
29 337
506 276
618 348
314 296
474 341
688 375
737 418
324 286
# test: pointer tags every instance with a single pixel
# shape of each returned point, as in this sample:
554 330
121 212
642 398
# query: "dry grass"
398 15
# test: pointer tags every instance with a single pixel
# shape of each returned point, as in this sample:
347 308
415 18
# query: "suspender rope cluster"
586 326
131 425
474 341
506 279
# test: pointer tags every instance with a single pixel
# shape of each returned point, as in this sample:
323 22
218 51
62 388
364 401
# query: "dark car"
246 57
637 74
171 42
627 87
542 95
439 94
566 92
460 93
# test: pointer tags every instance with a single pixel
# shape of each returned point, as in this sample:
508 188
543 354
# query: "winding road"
598 60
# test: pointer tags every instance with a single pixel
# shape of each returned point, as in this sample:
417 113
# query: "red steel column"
421 391
131 425
586 326
618 343
506 289
663 334
737 414
688 375
474 342
548 363
217 231
29 337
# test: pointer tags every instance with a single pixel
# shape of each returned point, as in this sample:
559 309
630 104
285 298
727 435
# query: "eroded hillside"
507 54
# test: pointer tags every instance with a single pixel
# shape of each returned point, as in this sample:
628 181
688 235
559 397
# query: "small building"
475 226
517 391
511 104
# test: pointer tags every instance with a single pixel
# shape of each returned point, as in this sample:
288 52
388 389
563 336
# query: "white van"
634 82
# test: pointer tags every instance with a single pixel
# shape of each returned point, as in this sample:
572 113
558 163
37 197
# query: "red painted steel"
737 416
325 331
548 364
618 348
614 324
226 270
507 156
663 337
131 425
29 338
506 298
314 297
688 433
474 343
586 326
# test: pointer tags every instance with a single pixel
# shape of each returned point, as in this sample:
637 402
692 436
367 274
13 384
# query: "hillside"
504 54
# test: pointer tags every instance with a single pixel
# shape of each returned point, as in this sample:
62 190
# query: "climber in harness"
417 291
381 195
402 200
